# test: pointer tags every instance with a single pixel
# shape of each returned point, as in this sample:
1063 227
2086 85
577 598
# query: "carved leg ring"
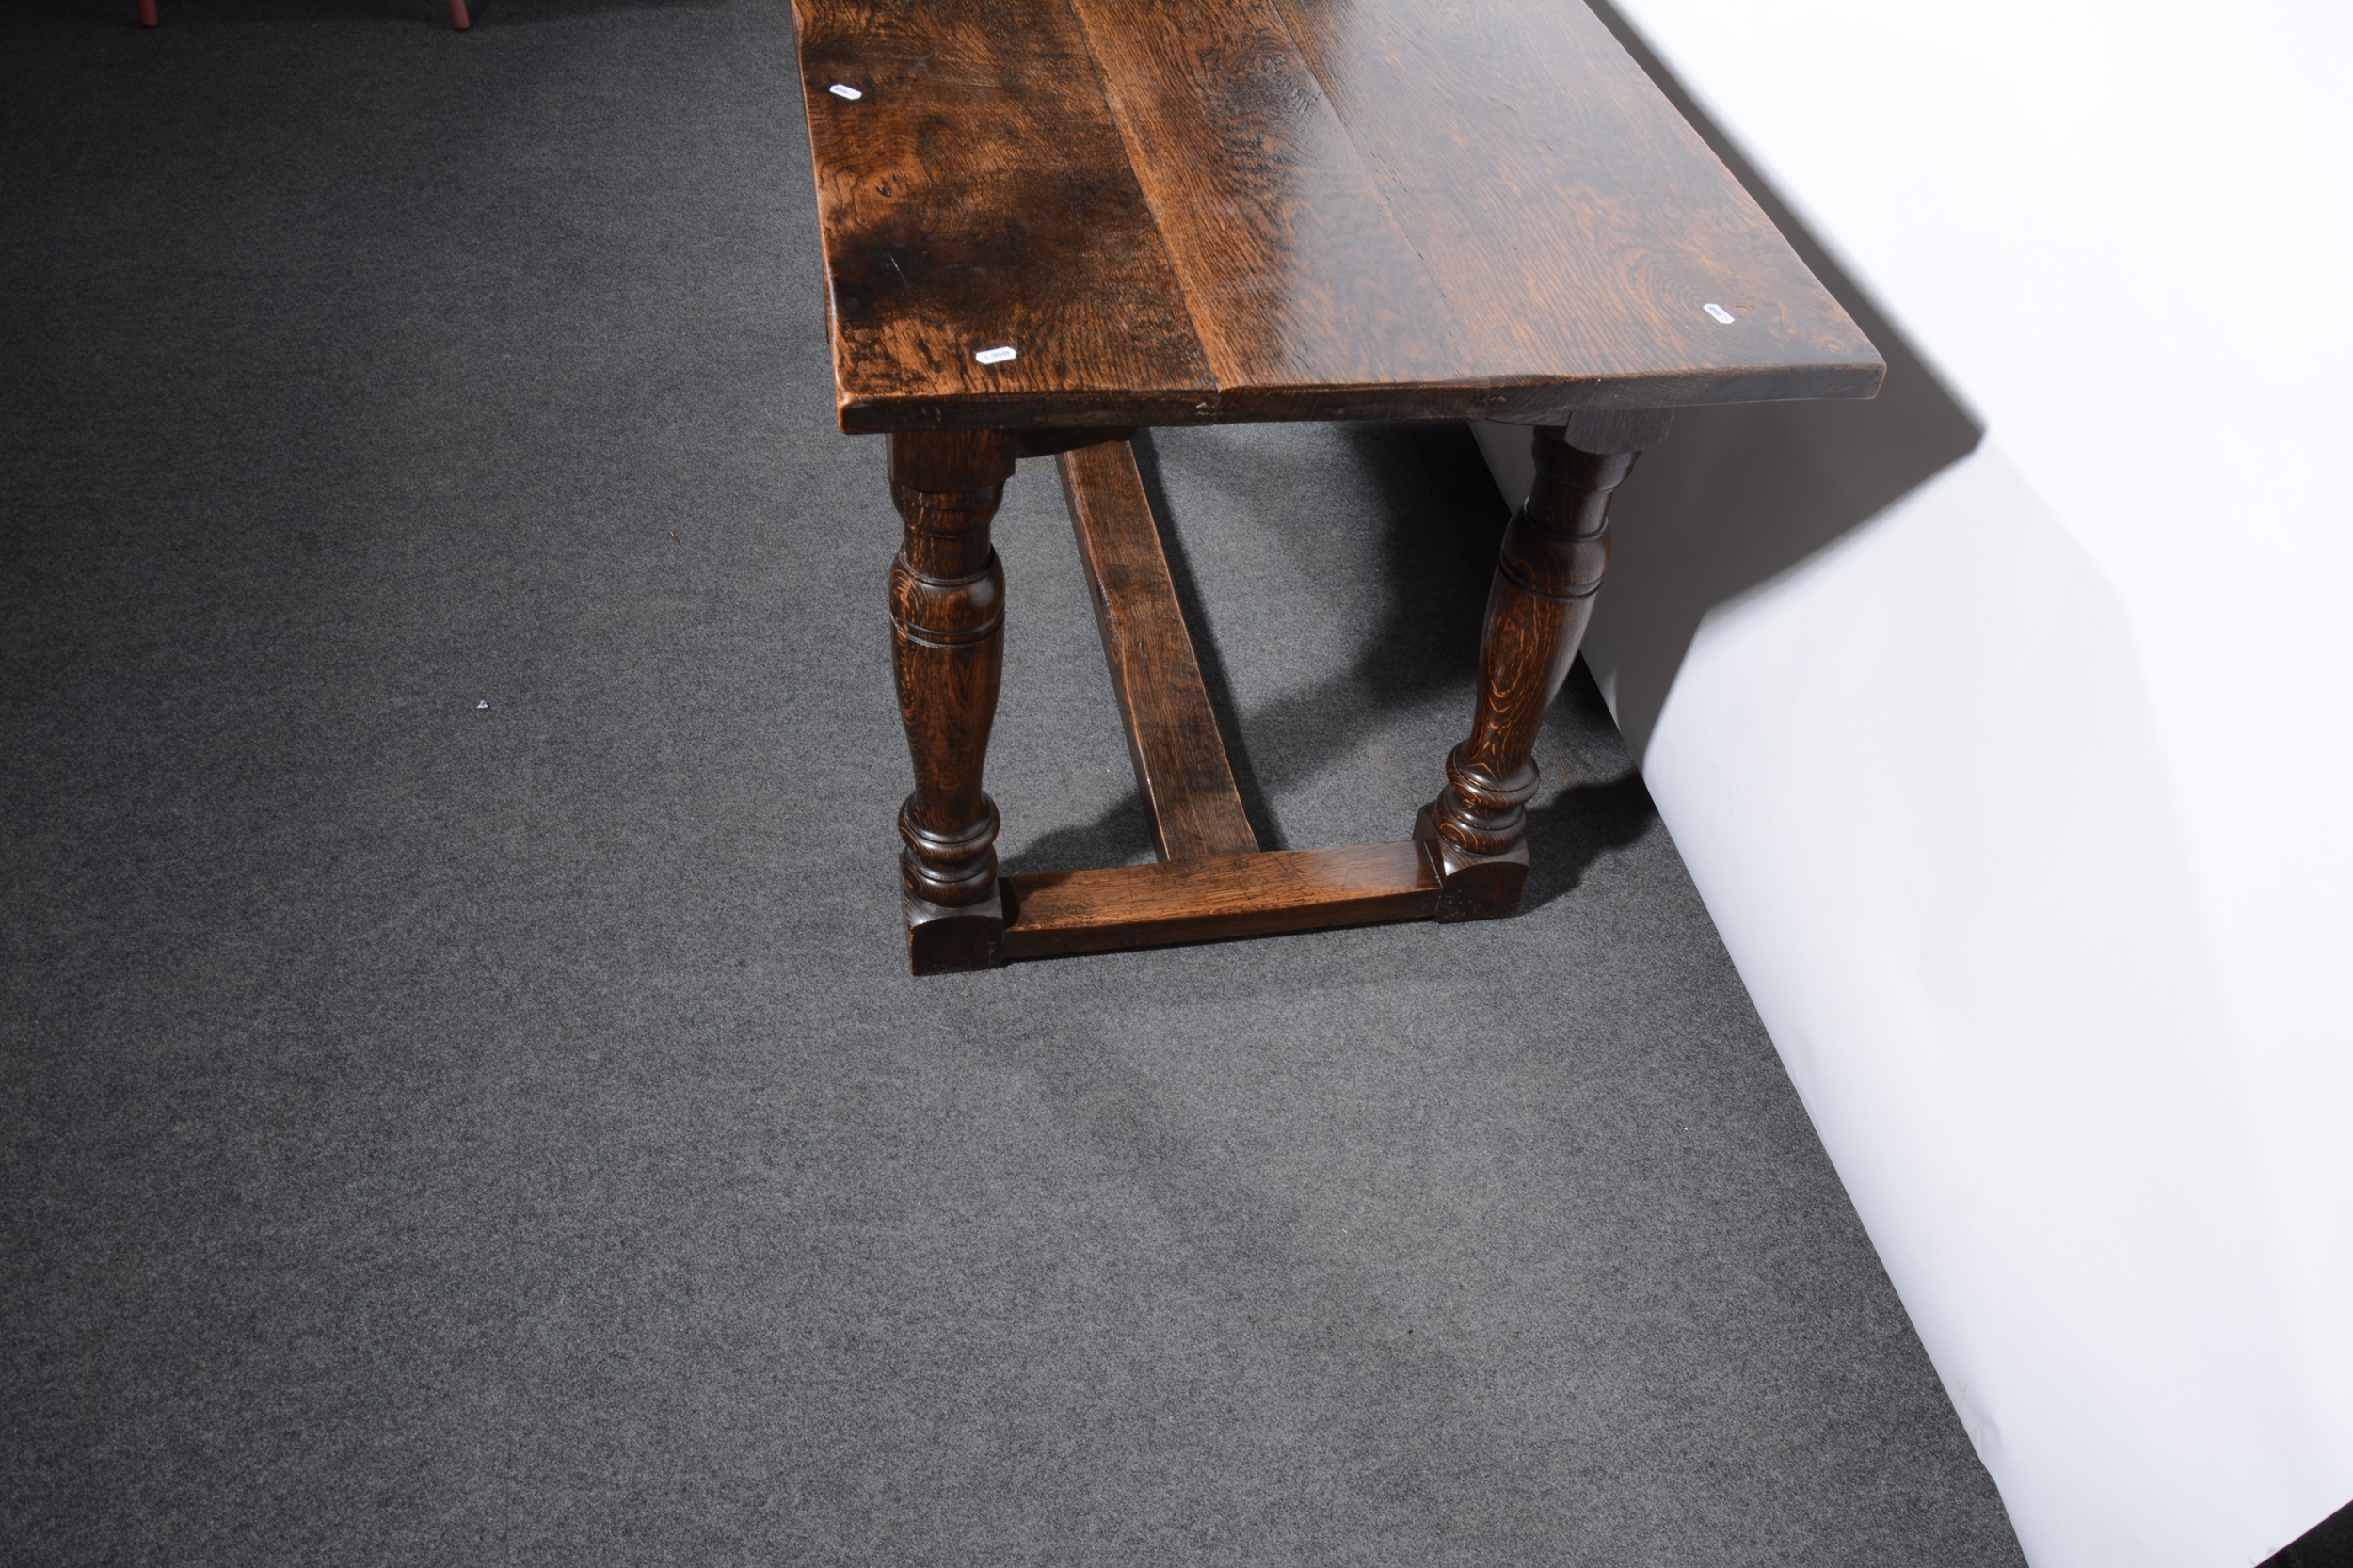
948 651
1550 564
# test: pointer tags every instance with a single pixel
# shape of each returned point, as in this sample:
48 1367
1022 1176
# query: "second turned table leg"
947 608
1545 576
948 651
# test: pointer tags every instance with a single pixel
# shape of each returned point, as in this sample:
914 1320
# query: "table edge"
1520 402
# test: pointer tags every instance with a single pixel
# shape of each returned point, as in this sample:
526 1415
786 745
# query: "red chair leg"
147 13
457 17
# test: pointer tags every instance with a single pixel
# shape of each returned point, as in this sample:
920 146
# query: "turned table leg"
948 651
1550 564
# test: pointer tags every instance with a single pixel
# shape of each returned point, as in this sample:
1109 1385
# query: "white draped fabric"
2021 802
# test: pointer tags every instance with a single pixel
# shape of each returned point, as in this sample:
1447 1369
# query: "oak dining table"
1048 224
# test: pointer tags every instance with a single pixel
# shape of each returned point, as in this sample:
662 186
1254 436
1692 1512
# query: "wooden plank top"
1194 211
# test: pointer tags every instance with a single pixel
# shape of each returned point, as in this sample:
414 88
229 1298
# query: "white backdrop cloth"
2023 804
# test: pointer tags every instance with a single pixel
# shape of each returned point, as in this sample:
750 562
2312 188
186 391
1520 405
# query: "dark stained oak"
1571 215
1045 443
1053 914
1194 211
975 195
1048 223
948 654
1181 768
1615 429
1546 572
1297 274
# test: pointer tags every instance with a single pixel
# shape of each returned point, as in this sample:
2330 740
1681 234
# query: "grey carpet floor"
447 1133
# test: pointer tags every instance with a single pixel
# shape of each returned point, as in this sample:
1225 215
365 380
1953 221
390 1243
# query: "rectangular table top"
1043 213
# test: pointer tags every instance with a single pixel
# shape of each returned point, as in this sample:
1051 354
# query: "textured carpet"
447 1133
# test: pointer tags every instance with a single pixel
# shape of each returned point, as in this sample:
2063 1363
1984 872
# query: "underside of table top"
1191 211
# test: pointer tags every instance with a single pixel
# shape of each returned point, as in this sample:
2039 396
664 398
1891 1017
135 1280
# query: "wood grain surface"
1549 565
1297 274
947 655
975 195
1201 901
1570 214
1203 209
1181 768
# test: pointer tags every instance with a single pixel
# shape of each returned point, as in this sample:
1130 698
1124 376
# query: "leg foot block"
942 940
1473 886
